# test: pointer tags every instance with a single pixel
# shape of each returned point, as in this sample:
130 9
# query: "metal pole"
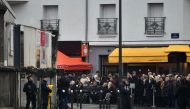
120 50
120 40
118 99
81 99
100 100
153 105
72 99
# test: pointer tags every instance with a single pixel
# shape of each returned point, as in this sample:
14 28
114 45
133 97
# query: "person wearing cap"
30 90
45 90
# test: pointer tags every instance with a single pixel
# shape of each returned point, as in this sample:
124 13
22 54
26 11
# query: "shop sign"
84 50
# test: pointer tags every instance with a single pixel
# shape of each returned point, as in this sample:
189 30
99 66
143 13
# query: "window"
155 10
107 23
50 12
50 20
155 22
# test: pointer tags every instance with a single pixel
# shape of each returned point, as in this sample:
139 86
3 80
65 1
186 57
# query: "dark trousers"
63 103
29 100
149 100
44 103
125 103
171 101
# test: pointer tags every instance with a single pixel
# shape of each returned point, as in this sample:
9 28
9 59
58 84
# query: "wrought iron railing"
50 24
107 26
154 25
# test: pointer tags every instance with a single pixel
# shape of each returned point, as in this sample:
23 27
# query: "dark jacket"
45 90
63 84
182 94
125 96
149 85
30 89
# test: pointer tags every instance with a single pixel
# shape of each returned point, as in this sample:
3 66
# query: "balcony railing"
107 26
50 24
154 25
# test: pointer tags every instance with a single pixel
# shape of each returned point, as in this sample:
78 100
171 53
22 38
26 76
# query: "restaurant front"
161 60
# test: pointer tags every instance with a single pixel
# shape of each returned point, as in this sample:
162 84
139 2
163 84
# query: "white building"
145 23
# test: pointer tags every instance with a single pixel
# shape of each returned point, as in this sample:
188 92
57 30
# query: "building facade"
145 23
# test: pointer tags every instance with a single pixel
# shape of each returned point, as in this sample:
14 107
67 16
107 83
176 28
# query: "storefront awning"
139 55
178 48
148 55
69 63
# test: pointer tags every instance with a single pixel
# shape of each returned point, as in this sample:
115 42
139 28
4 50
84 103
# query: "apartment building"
145 24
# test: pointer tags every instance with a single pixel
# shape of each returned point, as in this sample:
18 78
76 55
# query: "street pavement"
96 106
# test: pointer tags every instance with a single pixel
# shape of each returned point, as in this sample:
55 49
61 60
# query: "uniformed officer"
30 90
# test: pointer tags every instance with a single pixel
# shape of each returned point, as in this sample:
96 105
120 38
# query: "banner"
42 38
47 35
43 56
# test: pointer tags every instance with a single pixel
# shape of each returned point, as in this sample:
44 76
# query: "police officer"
30 90
62 92
45 90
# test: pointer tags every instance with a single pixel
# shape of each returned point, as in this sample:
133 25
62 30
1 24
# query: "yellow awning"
139 55
178 48
188 57
147 55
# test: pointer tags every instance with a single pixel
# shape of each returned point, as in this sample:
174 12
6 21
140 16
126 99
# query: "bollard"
118 99
71 99
153 104
80 99
100 100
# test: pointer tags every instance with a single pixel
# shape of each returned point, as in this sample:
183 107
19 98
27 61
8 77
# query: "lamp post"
120 51
120 40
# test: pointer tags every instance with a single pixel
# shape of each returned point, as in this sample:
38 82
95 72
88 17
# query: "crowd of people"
168 90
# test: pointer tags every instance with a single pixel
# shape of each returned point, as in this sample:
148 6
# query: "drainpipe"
86 27
86 21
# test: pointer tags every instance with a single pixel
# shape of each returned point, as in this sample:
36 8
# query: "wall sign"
174 35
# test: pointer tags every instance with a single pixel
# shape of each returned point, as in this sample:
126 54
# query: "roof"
4 3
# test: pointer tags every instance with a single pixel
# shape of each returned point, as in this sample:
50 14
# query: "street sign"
174 35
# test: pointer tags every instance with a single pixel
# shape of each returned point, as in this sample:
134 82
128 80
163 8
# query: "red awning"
69 63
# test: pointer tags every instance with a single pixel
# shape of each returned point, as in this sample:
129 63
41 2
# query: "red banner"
42 38
84 50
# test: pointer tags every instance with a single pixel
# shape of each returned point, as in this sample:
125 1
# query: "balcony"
50 24
107 26
155 26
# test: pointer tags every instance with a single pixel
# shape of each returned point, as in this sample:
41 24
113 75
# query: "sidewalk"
96 106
